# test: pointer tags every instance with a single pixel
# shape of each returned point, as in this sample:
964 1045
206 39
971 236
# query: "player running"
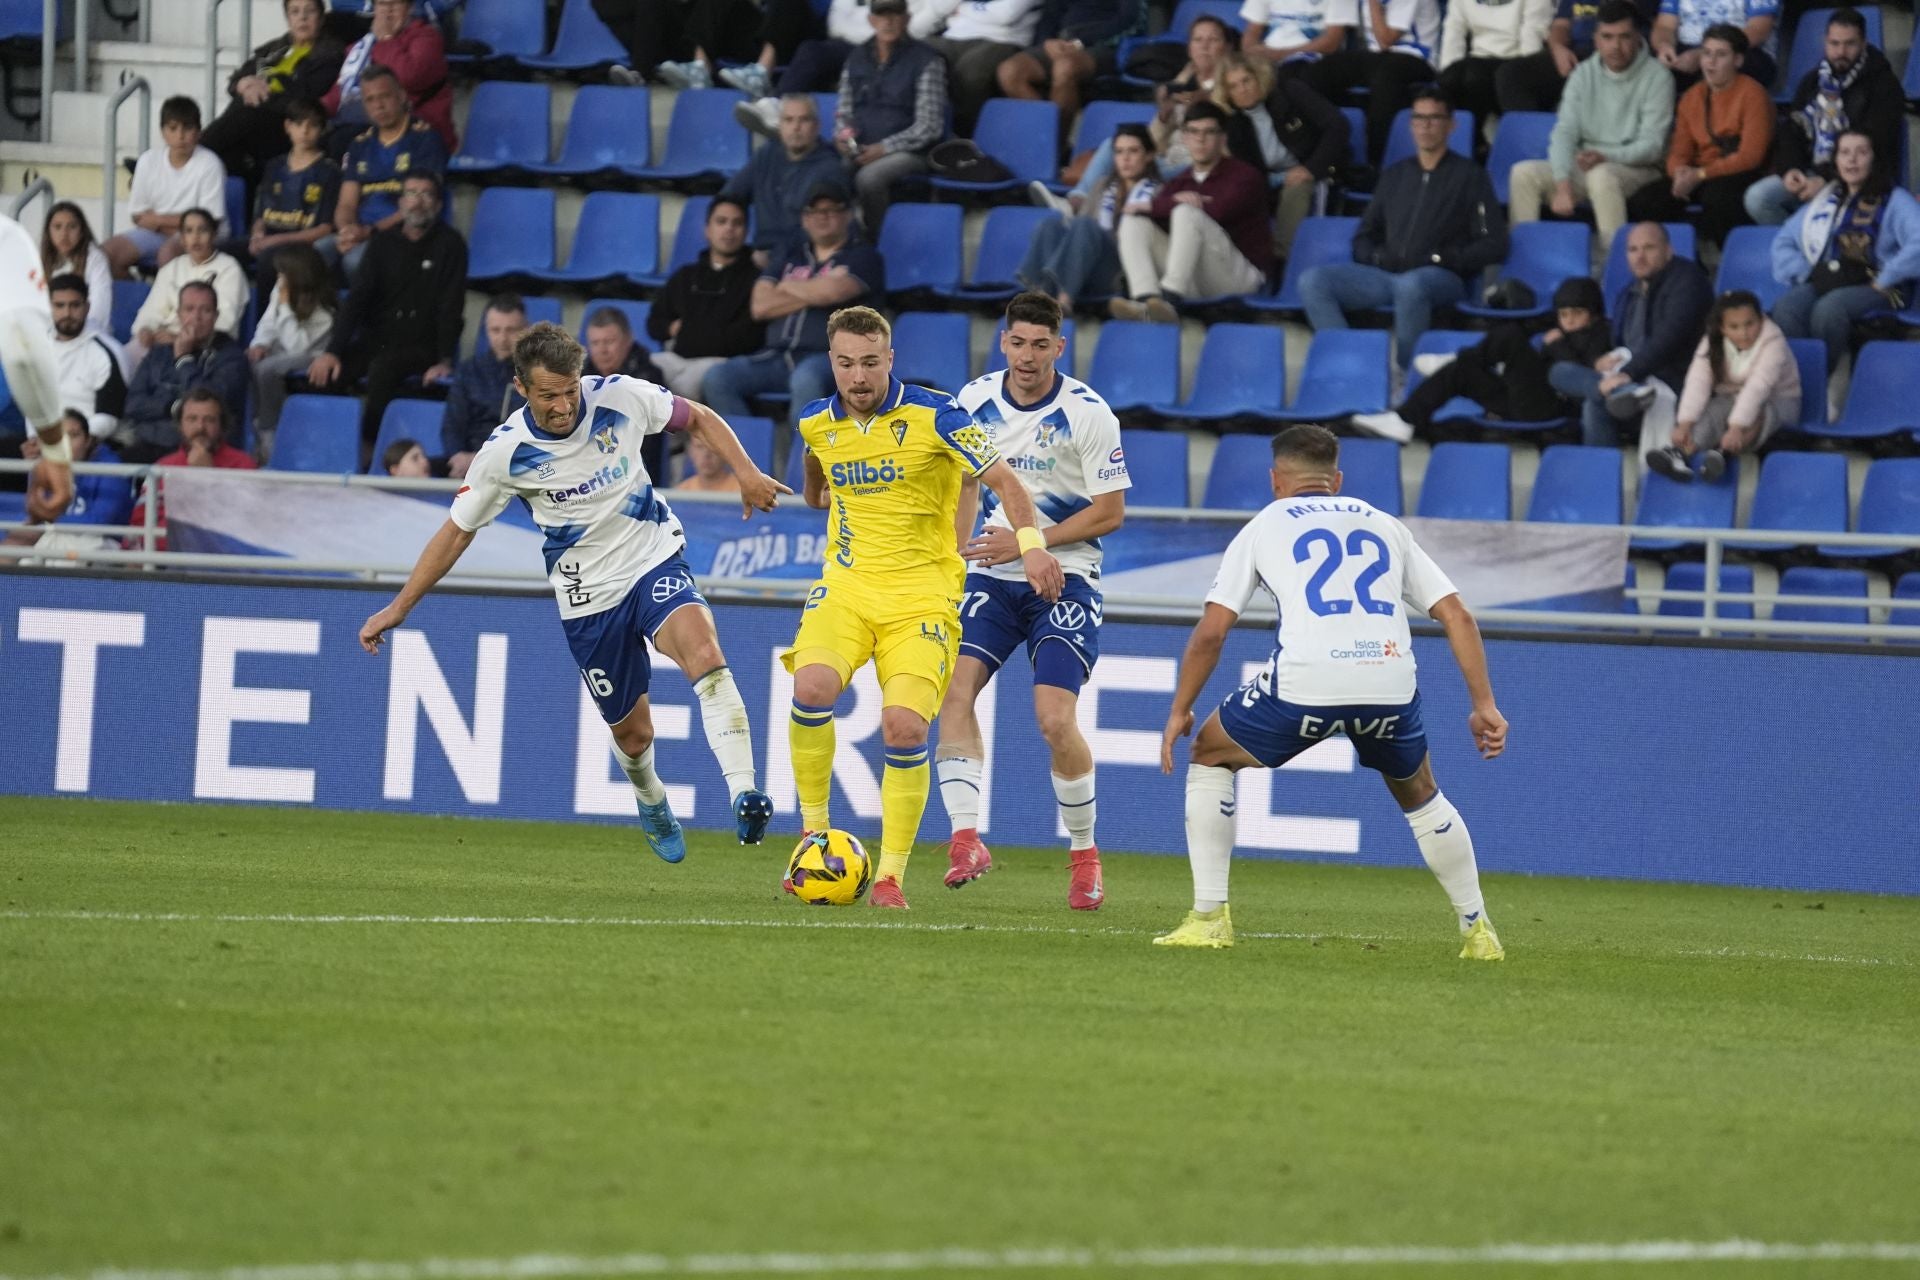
613 556
1339 571
888 459
33 375
1064 443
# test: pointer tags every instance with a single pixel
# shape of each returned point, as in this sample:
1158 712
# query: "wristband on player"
1030 539
59 451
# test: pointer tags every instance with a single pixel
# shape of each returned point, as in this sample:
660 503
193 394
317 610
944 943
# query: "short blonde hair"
1262 72
862 322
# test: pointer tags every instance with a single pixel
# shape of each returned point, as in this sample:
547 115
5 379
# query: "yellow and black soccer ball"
829 869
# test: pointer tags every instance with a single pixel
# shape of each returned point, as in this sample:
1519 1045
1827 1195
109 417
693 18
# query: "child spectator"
297 192
293 330
172 178
67 247
406 460
1743 385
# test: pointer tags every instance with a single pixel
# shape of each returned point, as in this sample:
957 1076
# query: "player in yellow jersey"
897 467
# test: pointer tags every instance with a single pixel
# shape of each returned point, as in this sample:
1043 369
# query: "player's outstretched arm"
758 490
1196 668
995 545
441 553
33 376
1043 571
1463 634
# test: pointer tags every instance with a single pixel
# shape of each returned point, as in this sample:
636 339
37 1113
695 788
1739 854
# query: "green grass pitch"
713 1068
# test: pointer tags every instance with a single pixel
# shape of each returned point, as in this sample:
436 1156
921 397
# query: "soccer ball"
829 869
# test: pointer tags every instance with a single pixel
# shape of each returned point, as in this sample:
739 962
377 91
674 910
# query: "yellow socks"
903 799
810 742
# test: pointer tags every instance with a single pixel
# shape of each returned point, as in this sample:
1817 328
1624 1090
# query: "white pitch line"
567 1267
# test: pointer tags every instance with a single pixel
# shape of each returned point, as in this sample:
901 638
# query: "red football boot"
1085 892
886 893
969 858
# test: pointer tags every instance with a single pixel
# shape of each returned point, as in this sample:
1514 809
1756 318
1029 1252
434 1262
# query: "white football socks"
639 770
1210 804
1076 808
1448 849
960 790
724 717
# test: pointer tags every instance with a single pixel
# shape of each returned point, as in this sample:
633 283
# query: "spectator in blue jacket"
199 356
892 108
777 178
482 393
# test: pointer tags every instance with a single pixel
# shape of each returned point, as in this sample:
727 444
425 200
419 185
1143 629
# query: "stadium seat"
1746 262
1003 244
583 42
1889 503
689 238
1357 148
1468 482
703 139
921 246
318 433
1911 80
1883 399
610 132
1240 478
1691 575
1318 240
1810 41
1615 278
636 312
501 32
1020 135
1100 119
1908 588
1067 362
1698 505
505 130
1541 254
417 420
1810 580
1400 137
1799 492
128 297
1370 471
1345 374
1811 355
1576 484
1136 365
24 20
235 212
1436 342
1522 135
1241 374
512 237
1228 11
756 437
930 349
616 241
1157 465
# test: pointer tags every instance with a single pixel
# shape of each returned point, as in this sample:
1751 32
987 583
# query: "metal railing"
212 98
110 161
49 29
35 189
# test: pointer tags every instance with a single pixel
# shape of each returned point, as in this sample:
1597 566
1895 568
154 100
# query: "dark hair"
305 111
1206 111
180 109
1431 93
199 284
1612 11
1848 17
381 71
1138 132
1732 300
309 279
1879 179
322 3
49 257
1315 446
213 223
431 179
1034 308
1226 32
601 317
204 395
547 346
735 201
507 303
74 415
67 282
1728 34
397 450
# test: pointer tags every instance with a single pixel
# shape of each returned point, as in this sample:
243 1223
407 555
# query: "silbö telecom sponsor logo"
594 483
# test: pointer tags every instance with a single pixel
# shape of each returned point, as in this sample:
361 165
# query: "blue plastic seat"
930 349
539 308
1468 482
1357 147
417 420
1240 476
1691 575
1228 11
1400 137
1067 362
1884 397
1746 262
617 239
512 236
1810 354
1345 374
1101 118
583 42
610 131
636 313
921 246
1616 276
1020 135
1810 580
1446 342
235 210
1319 240
22 20
1693 506
1157 465
703 139
689 238
1908 588
508 31
1810 45
756 437
1799 491
1911 80
1370 471
1136 365
1542 254
1889 503
1241 374
505 131
1522 135
1576 484
128 297
318 433
1003 244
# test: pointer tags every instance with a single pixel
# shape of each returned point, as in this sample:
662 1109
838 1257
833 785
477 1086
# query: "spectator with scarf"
416 53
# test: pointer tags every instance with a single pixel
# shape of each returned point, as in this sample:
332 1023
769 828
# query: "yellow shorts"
906 633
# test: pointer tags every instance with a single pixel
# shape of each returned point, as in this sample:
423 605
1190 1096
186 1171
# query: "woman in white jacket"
67 247
1480 35
292 331
153 326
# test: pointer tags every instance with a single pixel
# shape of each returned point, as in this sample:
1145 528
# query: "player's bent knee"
634 734
903 727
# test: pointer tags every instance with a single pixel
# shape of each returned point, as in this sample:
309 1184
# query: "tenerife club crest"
604 439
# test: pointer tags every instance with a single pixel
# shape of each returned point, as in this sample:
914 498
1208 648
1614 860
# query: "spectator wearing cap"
1722 129
831 268
482 395
704 315
1432 226
892 108
776 180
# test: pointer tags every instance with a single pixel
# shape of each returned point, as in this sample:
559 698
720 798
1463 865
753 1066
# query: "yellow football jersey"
893 482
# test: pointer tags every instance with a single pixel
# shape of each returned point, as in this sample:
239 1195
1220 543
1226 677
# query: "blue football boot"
752 810
662 831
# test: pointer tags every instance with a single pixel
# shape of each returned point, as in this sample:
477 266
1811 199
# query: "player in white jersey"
1064 444
1343 575
33 373
613 556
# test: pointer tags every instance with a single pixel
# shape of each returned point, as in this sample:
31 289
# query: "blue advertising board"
1648 761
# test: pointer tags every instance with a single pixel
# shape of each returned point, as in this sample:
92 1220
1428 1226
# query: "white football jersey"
1342 574
21 282
1065 449
588 491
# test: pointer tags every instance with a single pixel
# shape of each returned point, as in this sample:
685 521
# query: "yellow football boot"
1482 943
1212 930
